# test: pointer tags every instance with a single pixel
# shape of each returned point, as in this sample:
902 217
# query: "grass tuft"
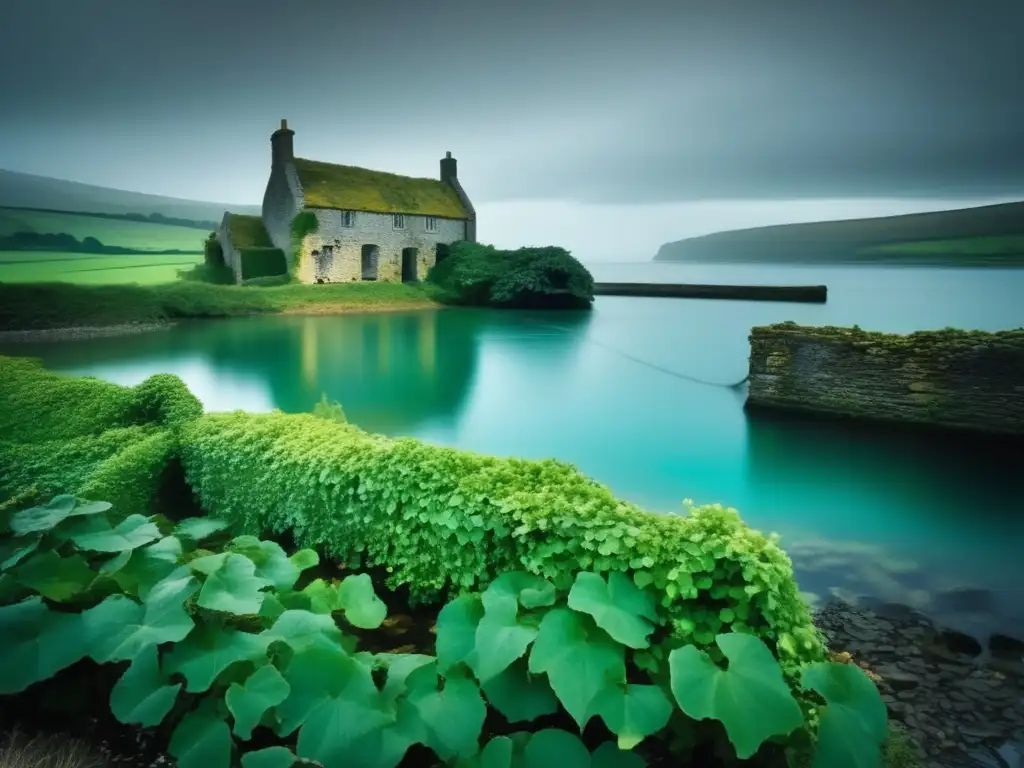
19 750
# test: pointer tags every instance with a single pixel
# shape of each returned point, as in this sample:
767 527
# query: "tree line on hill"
61 241
151 218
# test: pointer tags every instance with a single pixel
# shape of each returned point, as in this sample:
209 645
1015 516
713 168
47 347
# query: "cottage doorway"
440 253
409 256
370 260
324 257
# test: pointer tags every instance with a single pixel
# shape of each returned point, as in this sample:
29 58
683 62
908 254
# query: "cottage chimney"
449 172
281 150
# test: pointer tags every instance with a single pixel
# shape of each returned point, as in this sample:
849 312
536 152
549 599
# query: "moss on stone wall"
959 379
304 224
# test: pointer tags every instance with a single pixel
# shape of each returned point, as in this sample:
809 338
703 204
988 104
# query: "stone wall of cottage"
953 379
282 199
334 254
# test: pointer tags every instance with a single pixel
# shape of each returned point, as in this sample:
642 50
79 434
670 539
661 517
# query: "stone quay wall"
965 380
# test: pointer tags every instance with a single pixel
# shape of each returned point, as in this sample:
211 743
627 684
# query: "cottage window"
348 218
399 221
431 223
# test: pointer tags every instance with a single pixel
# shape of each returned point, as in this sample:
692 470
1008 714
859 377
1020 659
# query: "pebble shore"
962 704
79 332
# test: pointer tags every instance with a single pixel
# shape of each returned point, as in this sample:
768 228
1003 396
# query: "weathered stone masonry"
353 243
954 379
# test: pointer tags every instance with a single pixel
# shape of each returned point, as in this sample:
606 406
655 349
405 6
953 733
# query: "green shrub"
213 253
205 273
262 262
440 518
525 278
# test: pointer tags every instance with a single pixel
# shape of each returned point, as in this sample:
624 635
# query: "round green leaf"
633 713
199 528
119 628
304 629
608 755
231 585
500 640
456 630
619 607
14 551
37 643
315 674
452 717
750 698
854 722
304 559
202 740
555 748
54 577
149 565
271 757
321 596
578 661
361 605
512 587
264 689
131 533
42 518
497 753
271 561
520 696
209 651
142 695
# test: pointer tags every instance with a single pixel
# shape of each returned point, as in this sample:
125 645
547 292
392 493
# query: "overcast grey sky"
648 104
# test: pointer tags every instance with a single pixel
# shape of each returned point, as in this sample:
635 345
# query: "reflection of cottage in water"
370 225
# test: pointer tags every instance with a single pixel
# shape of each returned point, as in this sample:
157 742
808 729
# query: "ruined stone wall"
955 379
344 263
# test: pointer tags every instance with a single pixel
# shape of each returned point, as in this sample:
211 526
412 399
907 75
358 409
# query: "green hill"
31 191
137 235
990 235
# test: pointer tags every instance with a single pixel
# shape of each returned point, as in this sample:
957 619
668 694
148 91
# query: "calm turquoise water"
617 392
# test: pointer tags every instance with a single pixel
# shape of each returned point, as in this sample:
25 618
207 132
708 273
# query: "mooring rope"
649 364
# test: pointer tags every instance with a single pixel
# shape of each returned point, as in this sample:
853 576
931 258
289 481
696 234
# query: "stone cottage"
369 225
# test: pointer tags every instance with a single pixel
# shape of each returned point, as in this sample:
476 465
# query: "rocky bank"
962 704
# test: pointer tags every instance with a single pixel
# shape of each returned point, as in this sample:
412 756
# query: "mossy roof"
346 187
248 231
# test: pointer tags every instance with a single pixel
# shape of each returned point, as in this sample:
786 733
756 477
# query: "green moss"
262 262
346 187
248 232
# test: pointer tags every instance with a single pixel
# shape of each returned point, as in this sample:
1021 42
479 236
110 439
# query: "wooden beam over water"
813 294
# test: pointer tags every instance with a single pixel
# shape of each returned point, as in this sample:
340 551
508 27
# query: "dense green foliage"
439 518
59 305
233 653
213 253
88 436
303 224
527 277
262 262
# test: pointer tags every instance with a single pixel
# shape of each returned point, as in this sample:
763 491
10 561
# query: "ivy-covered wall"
955 379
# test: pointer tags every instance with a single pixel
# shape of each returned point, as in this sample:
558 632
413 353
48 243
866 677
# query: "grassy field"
60 305
92 269
138 235
959 246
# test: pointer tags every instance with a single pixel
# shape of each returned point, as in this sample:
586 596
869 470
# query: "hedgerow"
441 519
232 652
88 436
